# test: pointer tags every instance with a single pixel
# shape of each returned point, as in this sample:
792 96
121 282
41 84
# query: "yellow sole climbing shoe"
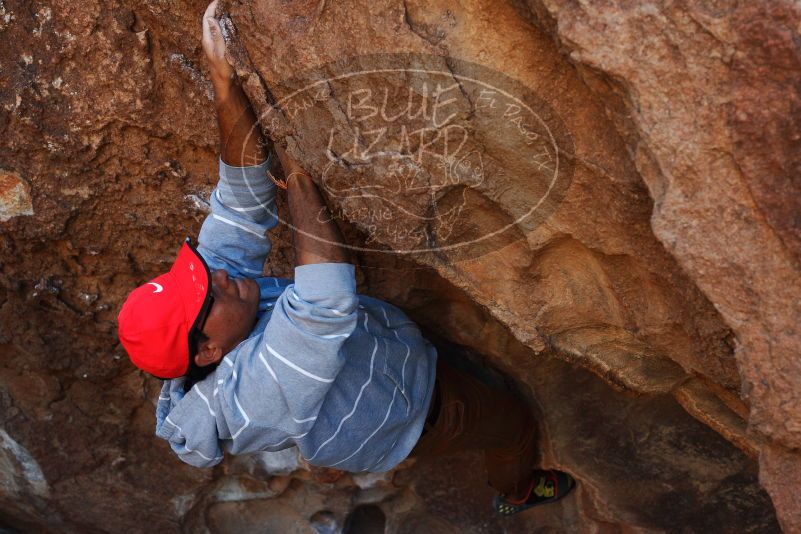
547 486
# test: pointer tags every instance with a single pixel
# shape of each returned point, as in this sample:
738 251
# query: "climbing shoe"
546 486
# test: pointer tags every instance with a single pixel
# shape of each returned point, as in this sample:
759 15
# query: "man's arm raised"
240 138
233 237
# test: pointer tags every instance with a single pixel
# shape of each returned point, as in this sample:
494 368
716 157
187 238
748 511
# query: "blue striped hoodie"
344 377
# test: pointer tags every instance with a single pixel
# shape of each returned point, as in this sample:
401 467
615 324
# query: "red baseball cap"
159 318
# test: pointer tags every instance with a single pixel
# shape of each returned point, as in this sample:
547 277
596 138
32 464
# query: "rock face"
15 197
710 108
598 199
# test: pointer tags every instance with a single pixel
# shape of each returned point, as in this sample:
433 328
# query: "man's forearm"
316 236
240 137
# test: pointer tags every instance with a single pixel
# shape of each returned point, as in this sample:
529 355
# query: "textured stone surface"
15 197
707 95
648 309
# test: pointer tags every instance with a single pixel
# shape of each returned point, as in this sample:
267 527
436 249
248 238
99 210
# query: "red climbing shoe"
547 486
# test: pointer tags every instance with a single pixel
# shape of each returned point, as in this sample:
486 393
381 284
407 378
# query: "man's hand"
240 136
214 46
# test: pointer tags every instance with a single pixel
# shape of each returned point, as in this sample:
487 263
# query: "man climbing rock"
254 363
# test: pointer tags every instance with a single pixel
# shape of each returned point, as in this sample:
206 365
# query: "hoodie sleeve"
295 361
189 422
234 235
310 322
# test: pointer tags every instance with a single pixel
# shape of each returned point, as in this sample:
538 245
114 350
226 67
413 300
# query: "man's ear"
208 353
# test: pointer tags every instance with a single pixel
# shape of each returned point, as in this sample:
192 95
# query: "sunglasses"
195 373
197 331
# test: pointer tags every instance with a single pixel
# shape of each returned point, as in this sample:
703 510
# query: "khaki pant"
471 415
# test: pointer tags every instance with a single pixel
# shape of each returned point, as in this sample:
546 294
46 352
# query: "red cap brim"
193 277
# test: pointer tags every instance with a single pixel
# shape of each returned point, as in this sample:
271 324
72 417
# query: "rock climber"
257 363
